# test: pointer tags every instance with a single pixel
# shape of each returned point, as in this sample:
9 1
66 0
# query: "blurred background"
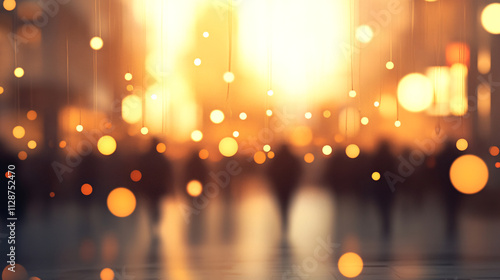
240 139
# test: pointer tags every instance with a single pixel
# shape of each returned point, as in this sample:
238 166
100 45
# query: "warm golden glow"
352 93
270 92
32 144
217 116
196 136
350 265
462 144
308 115
458 89
389 65
376 104
364 33
22 155
236 134
31 115
194 188
79 128
203 154
161 148
19 72
469 174
9 5
132 109
415 92
243 116
301 136
494 151
1 90
270 155
327 150
128 76
228 77
397 123
375 176
269 112
352 151
266 148
106 145
206 34
18 132
259 157
484 61
309 158
121 202
364 120
197 62
20 273
62 144
107 274
144 130
490 19
327 114
228 147
86 189
135 175
96 43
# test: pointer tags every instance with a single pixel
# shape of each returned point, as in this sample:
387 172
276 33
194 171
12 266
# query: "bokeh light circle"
415 92
309 157
86 189
9 5
194 188
135 175
352 151
228 146
217 116
196 136
494 151
462 144
121 202
490 19
31 115
350 265
19 274
376 176
469 174
259 157
18 132
106 145
364 33
228 77
107 274
389 65
327 150
19 72
96 43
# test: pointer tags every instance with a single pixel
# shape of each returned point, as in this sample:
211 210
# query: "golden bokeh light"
269 112
1 90
19 72
376 104
206 34
350 265
32 144
135 175
121 202
144 130
52 194
364 120
96 43
236 134
217 116
308 115
132 109
194 188
130 87
490 19
20 273
497 164
9 5
389 65
243 116
376 176
62 144
462 144
228 146
128 76
397 123
270 155
196 136
469 174
266 148
364 33
106 145
203 154
270 92
352 151
31 115
22 155
107 274
352 93
309 157
228 77
86 189
327 150
327 114
415 92
161 148
259 157
494 151
301 136
197 61
18 132
79 128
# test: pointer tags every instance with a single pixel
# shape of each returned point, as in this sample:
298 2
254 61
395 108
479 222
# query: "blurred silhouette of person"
446 191
284 173
382 192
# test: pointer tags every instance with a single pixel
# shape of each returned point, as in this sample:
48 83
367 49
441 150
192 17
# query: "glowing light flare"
197 61
270 155
269 112
161 148
327 114
31 115
364 120
128 76
270 92
266 148
490 19
203 154
32 144
397 123
497 164
389 65
217 116
458 89
144 130
375 176
20 273
352 93
129 87
132 109
457 52
22 155
352 151
228 77
194 188
96 43
350 265
206 34
236 134
494 151
415 92
107 274
259 157
196 136
243 116
19 72
462 144
9 5
106 145
376 104
308 115
228 147
309 158
18 132
62 144
364 34
327 150
79 128
301 136
52 194
1 90
469 174
86 189
121 202
135 175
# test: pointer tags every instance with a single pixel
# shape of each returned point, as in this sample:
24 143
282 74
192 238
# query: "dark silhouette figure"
284 173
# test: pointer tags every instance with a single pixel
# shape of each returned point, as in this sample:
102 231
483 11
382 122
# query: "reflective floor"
241 238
